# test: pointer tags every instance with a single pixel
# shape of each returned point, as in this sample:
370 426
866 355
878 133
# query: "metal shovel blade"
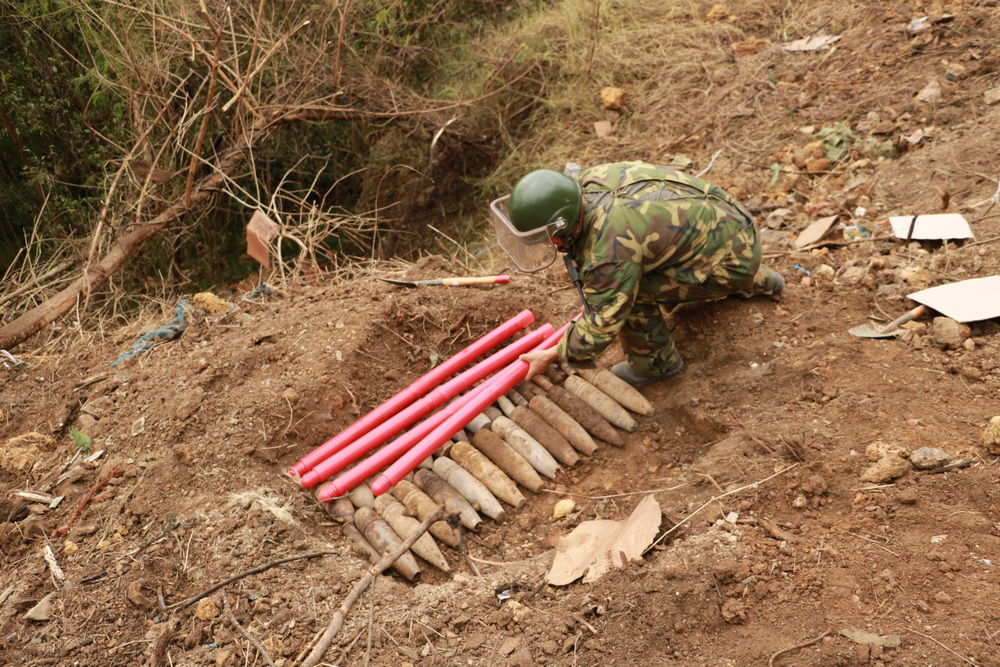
889 330
867 331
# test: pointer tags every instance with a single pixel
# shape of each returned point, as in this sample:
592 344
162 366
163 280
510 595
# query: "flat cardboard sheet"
595 547
937 226
261 230
815 232
966 301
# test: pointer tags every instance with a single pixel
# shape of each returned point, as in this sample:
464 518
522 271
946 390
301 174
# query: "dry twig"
378 568
61 530
240 629
770 663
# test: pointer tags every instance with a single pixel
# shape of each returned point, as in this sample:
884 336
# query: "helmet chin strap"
574 274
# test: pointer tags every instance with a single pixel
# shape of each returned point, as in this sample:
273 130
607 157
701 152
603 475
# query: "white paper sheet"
965 301
932 227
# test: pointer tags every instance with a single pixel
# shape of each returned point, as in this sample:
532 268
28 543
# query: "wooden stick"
942 646
256 570
770 663
61 530
378 568
749 434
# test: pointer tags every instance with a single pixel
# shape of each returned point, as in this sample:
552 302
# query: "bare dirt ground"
775 411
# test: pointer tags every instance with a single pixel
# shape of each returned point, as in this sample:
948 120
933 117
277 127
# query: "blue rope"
169 331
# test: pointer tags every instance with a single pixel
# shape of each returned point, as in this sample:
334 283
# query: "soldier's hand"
538 361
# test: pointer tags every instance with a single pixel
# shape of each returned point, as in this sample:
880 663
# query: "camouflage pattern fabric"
653 236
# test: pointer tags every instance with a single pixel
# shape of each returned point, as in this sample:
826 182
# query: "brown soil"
775 391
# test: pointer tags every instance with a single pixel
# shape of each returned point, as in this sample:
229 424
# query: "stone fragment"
207 609
926 458
563 508
992 96
885 470
42 610
948 333
880 449
991 436
942 598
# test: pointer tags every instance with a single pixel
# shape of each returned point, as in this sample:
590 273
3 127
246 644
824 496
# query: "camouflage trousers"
645 337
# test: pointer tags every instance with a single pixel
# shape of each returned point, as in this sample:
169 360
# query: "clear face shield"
530 251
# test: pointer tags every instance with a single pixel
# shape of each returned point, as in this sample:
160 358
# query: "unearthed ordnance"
395 515
480 422
443 494
505 405
340 509
568 427
516 398
507 459
427 463
472 489
595 424
487 472
618 389
528 389
351 532
381 536
554 373
361 496
420 505
492 413
548 437
526 446
461 435
601 402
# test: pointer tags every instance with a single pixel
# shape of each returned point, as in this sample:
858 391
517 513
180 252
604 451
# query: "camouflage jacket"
644 227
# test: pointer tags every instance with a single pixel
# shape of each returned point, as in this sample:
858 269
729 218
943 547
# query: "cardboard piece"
932 227
261 230
811 43
965 301
815 232
596 547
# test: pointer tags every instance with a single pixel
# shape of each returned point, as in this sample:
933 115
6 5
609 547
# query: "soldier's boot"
625 372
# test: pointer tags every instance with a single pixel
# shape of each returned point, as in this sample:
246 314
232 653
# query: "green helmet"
543 197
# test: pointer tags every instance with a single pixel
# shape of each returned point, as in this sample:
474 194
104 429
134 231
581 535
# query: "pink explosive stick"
418 388
369 441
471 405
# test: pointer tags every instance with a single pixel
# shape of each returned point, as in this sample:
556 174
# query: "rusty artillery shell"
526 446
568 427
362 496
516 398
492 413
395 515
478 423
604 404
618 389
445 495
527 389
578 409
351 531
420 505
505 405
461 436
555 374
477 493
487 472
548 437
381 536
507 459
340 509
542 382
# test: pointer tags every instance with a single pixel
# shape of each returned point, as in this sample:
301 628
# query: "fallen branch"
770 663
34 282
256 570
61 530
240 629
378 568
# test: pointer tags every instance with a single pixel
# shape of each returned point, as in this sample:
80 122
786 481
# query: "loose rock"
991 436
563 508
948 333
926 458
